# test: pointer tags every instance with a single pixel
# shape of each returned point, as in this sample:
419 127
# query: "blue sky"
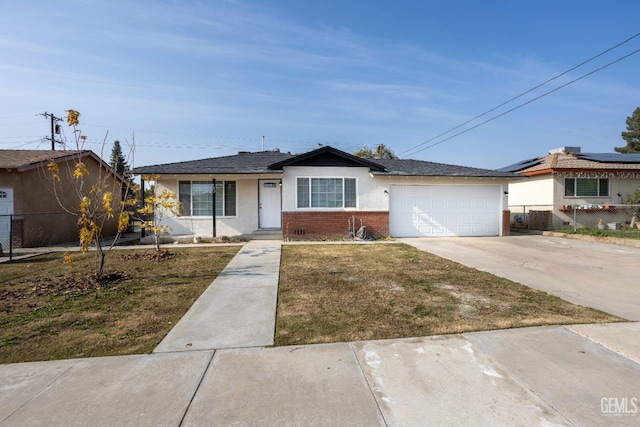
189 80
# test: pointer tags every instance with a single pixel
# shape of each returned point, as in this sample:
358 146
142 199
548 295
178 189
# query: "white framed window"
196 198
586 187
326 193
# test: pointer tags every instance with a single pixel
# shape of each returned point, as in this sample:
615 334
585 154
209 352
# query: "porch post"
144 216
213 208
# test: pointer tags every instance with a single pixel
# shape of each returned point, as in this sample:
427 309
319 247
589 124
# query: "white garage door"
442 210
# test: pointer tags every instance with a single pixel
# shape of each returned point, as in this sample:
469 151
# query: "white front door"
270 203
6 209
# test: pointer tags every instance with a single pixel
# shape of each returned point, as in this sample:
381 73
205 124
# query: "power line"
197 135
21 123
521 105
7 139
39 140
518 96
22 116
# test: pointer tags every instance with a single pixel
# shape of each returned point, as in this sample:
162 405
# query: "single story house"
566 179
30 211
326 193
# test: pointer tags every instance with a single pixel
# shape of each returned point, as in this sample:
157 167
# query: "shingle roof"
23 160
17 159
272 162
577 161
408 167
241 163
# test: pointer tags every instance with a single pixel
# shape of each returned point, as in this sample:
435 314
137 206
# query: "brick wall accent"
506 223
332 225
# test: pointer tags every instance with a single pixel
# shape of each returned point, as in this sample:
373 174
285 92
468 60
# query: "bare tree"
92 194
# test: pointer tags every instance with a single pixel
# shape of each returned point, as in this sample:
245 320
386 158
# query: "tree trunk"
101 256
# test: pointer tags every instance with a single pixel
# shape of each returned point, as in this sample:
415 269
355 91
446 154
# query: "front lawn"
48 311
327 293
332 293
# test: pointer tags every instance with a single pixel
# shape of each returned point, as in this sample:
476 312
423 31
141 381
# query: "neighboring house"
566 178
326 193
26 193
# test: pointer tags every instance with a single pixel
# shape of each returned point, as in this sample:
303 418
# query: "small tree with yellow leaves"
90 196
157 204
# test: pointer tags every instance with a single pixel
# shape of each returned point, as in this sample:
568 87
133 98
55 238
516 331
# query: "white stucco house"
326 192
566 179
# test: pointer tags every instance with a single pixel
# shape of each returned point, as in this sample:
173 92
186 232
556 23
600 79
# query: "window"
196 198
225 198
3 194
326 192
586 187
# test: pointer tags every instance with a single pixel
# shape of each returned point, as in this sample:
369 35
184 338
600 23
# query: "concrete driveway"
599 275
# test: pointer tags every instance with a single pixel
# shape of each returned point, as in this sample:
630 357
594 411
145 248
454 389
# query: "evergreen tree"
118 162
632 135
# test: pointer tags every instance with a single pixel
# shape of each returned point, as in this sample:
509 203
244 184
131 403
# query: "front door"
6 209
270 203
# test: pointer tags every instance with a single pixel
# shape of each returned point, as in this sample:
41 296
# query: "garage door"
441 210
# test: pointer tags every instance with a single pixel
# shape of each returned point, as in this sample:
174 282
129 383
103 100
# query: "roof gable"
327 156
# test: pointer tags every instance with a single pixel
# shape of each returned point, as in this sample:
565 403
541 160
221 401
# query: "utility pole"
55 128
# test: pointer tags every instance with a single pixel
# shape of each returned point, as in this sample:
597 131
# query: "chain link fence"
605 217
620 218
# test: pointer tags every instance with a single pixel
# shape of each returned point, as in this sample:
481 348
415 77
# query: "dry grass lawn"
333 293
49 312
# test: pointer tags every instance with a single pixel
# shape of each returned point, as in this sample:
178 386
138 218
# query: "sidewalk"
201 374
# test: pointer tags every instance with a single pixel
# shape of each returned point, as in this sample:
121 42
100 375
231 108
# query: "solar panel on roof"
610 157
521 165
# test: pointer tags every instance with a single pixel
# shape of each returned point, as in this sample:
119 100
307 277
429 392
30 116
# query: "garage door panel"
444 211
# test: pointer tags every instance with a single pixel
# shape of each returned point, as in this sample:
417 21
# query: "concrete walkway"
201 375
238 309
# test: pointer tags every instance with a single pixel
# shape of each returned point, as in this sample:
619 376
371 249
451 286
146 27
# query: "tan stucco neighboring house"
326 193
30 212
566 179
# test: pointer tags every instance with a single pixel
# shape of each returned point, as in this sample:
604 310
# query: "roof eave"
416 175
